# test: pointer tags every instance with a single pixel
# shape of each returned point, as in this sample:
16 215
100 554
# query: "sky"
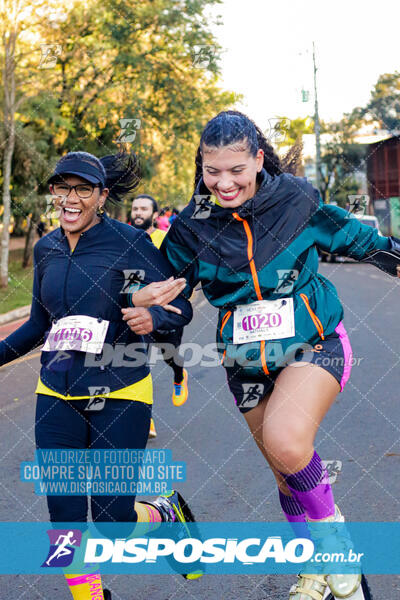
267 53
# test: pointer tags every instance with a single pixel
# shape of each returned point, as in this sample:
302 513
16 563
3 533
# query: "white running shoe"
341 585
309 587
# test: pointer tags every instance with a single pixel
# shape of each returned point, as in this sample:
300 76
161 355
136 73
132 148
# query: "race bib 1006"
78 332
263 320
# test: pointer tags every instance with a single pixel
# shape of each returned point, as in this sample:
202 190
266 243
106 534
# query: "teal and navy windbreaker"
240 256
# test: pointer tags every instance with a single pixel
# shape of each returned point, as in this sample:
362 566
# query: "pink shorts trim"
348 354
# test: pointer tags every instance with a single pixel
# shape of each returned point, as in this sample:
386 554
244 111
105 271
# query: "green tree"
23 25
293 130
384 104
154 62
135 61
341 156
342 188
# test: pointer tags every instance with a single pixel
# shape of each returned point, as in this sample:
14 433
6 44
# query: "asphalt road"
227 478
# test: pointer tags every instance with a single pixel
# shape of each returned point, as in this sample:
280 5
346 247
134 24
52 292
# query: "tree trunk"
29 241
9 128
5 237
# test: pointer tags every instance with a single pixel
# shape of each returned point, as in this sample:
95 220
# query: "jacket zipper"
314 317
224 321
65 306
255 280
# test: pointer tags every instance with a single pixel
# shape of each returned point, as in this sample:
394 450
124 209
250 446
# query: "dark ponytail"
123 174
232 127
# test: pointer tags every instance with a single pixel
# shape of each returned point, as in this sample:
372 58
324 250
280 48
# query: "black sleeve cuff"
386 260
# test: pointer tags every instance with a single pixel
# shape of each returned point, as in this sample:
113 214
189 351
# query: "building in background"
383 174
377 176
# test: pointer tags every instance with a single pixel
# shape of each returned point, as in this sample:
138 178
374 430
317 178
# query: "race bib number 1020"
263 320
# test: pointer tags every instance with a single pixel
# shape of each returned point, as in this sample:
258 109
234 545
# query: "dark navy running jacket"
92 281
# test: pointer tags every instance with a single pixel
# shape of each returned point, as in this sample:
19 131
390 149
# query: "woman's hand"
398 270
139 320
159 293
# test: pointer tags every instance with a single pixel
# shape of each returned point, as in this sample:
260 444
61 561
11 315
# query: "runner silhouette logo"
134 279
203 207
96 404
358 204
129 128
61 361
62 547
50 54
333 468
98 397
287 279
252 394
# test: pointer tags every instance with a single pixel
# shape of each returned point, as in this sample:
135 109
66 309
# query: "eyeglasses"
82 190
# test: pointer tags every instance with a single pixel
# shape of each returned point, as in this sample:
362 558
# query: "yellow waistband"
141 391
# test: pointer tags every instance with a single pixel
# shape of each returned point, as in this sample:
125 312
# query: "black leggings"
121 424
174 338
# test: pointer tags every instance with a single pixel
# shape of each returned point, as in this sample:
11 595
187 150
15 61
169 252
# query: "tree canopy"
97 75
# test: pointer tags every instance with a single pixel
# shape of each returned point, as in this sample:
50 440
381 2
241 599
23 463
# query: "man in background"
144 214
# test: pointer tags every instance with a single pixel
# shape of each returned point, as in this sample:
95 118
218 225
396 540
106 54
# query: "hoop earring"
100 211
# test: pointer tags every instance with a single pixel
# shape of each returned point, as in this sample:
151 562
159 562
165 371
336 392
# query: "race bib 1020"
263 320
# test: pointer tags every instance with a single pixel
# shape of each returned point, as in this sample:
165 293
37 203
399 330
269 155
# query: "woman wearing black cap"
82 272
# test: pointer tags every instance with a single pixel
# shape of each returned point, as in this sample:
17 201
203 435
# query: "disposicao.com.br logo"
62 547
215 547
191 550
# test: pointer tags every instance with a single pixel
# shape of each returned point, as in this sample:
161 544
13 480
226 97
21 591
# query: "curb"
14 315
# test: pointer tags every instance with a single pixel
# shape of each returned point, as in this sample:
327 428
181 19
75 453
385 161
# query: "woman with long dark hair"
82 280
250 235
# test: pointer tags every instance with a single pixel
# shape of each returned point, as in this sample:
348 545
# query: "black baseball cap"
81 164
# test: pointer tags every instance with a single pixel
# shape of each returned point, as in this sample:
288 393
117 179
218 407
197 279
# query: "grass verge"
19 290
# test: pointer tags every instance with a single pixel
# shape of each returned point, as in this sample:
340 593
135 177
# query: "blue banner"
223 548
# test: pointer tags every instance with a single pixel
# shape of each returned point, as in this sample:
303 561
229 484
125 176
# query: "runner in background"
144 215
163 221
175 213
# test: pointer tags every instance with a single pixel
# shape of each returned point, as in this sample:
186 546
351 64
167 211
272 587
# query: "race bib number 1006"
78 332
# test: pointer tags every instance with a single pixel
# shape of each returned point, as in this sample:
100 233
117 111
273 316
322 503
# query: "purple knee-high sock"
311 488
293 510
294 513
